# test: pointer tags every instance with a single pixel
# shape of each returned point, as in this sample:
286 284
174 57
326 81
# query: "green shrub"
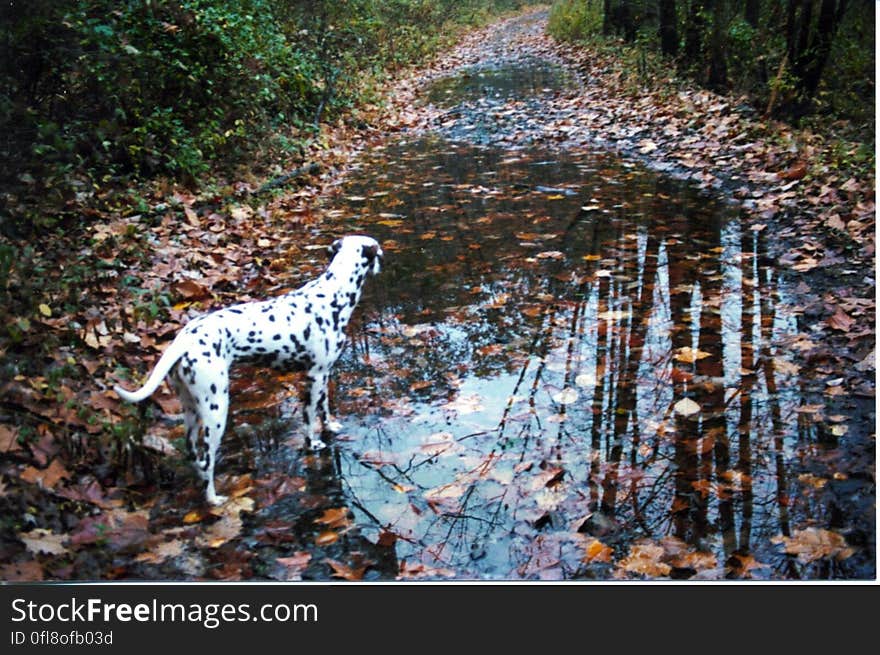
575 20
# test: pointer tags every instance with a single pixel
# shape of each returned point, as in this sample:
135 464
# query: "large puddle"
572 367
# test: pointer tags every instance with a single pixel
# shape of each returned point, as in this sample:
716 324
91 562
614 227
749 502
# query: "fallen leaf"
40 540
811 544
293 566
686 407
226 528
46 478
566 396
334 518
596 551
9 439
644 559
346 572
840 321
164 551
689 355
29 571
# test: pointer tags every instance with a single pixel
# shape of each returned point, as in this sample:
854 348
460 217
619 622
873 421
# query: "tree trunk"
809 46
752 12
716 77
668 28
693 32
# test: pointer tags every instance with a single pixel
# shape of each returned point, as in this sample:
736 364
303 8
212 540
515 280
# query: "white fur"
304 329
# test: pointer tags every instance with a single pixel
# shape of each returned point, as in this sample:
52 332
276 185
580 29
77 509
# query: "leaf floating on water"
335 517
615 315
689 355
596 551
785 367
465 404
686 407
644 559
295 565
326 537
346 572
566 396
551 254
811 544
586 380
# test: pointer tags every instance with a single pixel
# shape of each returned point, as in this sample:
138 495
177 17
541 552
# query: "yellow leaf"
597 552
45 310
688 355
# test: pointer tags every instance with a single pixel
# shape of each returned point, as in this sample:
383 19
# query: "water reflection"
572 368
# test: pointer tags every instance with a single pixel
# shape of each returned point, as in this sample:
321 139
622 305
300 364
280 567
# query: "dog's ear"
333 248
370 252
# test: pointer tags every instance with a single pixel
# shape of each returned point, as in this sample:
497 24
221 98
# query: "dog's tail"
168 359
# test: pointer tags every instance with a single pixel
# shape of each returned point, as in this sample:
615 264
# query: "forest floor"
81 494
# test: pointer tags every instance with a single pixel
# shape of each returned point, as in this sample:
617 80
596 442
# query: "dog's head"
363 250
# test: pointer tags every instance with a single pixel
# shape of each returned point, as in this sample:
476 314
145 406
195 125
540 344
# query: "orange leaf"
597 552
334 518
341 570
840 321
46 478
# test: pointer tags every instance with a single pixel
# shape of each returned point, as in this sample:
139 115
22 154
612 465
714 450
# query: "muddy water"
572 367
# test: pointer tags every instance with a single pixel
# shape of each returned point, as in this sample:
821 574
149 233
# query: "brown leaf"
46 478
295 565
164 551
191 217
346 572
29 571
840 321
418 570
123 531
9 439
217 534
192 290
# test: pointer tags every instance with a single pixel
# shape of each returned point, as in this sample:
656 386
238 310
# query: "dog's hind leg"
315 404
211 406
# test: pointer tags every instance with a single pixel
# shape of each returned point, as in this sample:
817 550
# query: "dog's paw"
316 443
216 499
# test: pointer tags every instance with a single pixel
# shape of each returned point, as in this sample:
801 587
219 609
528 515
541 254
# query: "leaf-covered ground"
537 387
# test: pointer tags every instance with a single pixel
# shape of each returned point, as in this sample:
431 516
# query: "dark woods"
99 89
793 57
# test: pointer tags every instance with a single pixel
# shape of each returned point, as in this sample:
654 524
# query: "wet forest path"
590 356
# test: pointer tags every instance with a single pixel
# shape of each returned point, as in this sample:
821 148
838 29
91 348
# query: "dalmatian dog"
303 329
